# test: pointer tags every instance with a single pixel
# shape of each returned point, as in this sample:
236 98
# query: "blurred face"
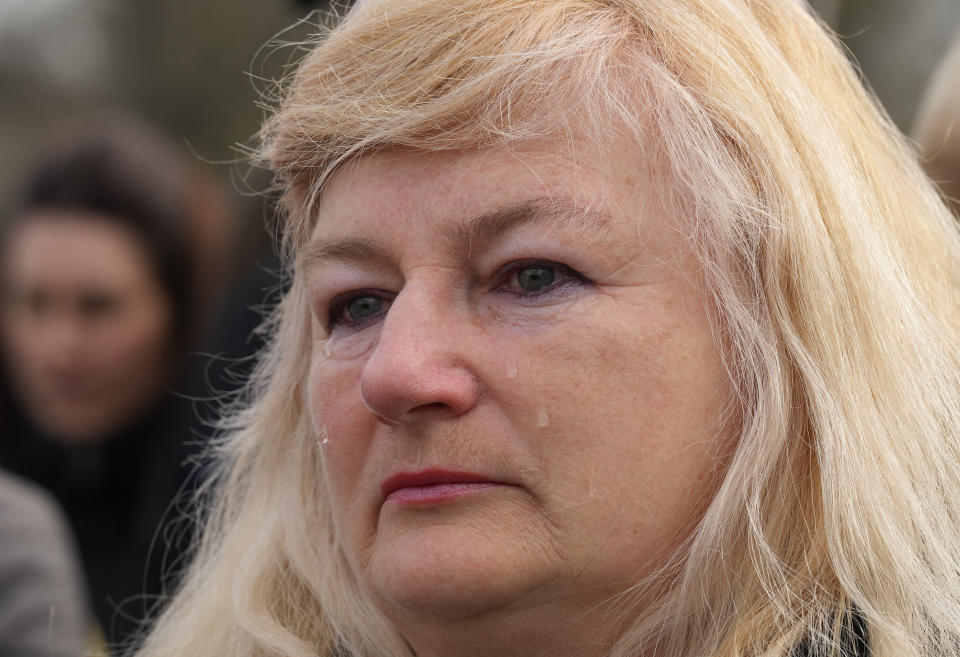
515 385
85 324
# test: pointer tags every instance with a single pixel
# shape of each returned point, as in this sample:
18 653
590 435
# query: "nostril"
403 380
434 410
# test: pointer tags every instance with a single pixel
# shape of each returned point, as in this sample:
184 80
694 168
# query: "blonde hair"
832 262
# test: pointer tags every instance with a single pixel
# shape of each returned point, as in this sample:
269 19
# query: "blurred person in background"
937 128
98 265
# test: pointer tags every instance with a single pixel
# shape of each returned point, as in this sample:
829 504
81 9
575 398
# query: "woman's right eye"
357 310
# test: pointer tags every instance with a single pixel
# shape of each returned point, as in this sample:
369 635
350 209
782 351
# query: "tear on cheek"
349 346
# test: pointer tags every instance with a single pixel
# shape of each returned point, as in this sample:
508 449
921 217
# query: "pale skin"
85 324
532 318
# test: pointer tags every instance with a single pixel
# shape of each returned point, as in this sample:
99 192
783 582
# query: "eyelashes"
529 282
358 309
534 279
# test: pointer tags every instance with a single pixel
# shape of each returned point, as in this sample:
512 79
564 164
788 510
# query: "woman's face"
86 326
518 394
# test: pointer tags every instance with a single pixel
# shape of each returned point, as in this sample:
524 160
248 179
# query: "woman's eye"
362 308
533 279
357 311
99 304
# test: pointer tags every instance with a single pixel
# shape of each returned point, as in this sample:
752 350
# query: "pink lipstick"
432 486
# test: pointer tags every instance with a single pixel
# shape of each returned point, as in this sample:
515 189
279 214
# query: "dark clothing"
115 495
855 639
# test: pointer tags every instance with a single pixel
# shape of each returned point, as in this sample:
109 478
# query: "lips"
433 485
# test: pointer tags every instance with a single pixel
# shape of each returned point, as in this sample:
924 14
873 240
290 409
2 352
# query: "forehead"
473 194
402 180
402 207
73 248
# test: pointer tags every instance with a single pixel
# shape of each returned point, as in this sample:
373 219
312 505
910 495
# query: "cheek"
344 428
597 372
335 405
21 347
635 407
139 335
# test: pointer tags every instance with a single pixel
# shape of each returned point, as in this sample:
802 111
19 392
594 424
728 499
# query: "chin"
73 428
453 573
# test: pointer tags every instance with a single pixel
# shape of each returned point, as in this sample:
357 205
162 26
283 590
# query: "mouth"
71 389
433 486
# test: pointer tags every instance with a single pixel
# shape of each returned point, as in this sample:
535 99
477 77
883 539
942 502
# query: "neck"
543 631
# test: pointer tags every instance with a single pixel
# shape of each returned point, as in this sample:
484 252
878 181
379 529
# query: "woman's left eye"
357 310
537 278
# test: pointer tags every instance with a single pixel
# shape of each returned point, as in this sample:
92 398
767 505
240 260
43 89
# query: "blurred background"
189 65
134 260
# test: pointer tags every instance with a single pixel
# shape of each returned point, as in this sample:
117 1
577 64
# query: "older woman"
616 328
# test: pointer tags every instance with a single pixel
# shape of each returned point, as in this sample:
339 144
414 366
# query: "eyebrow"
476 234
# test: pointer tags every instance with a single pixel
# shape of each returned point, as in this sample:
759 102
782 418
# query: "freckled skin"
598 407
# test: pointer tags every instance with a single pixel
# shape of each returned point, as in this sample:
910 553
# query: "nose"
59 334
419 367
